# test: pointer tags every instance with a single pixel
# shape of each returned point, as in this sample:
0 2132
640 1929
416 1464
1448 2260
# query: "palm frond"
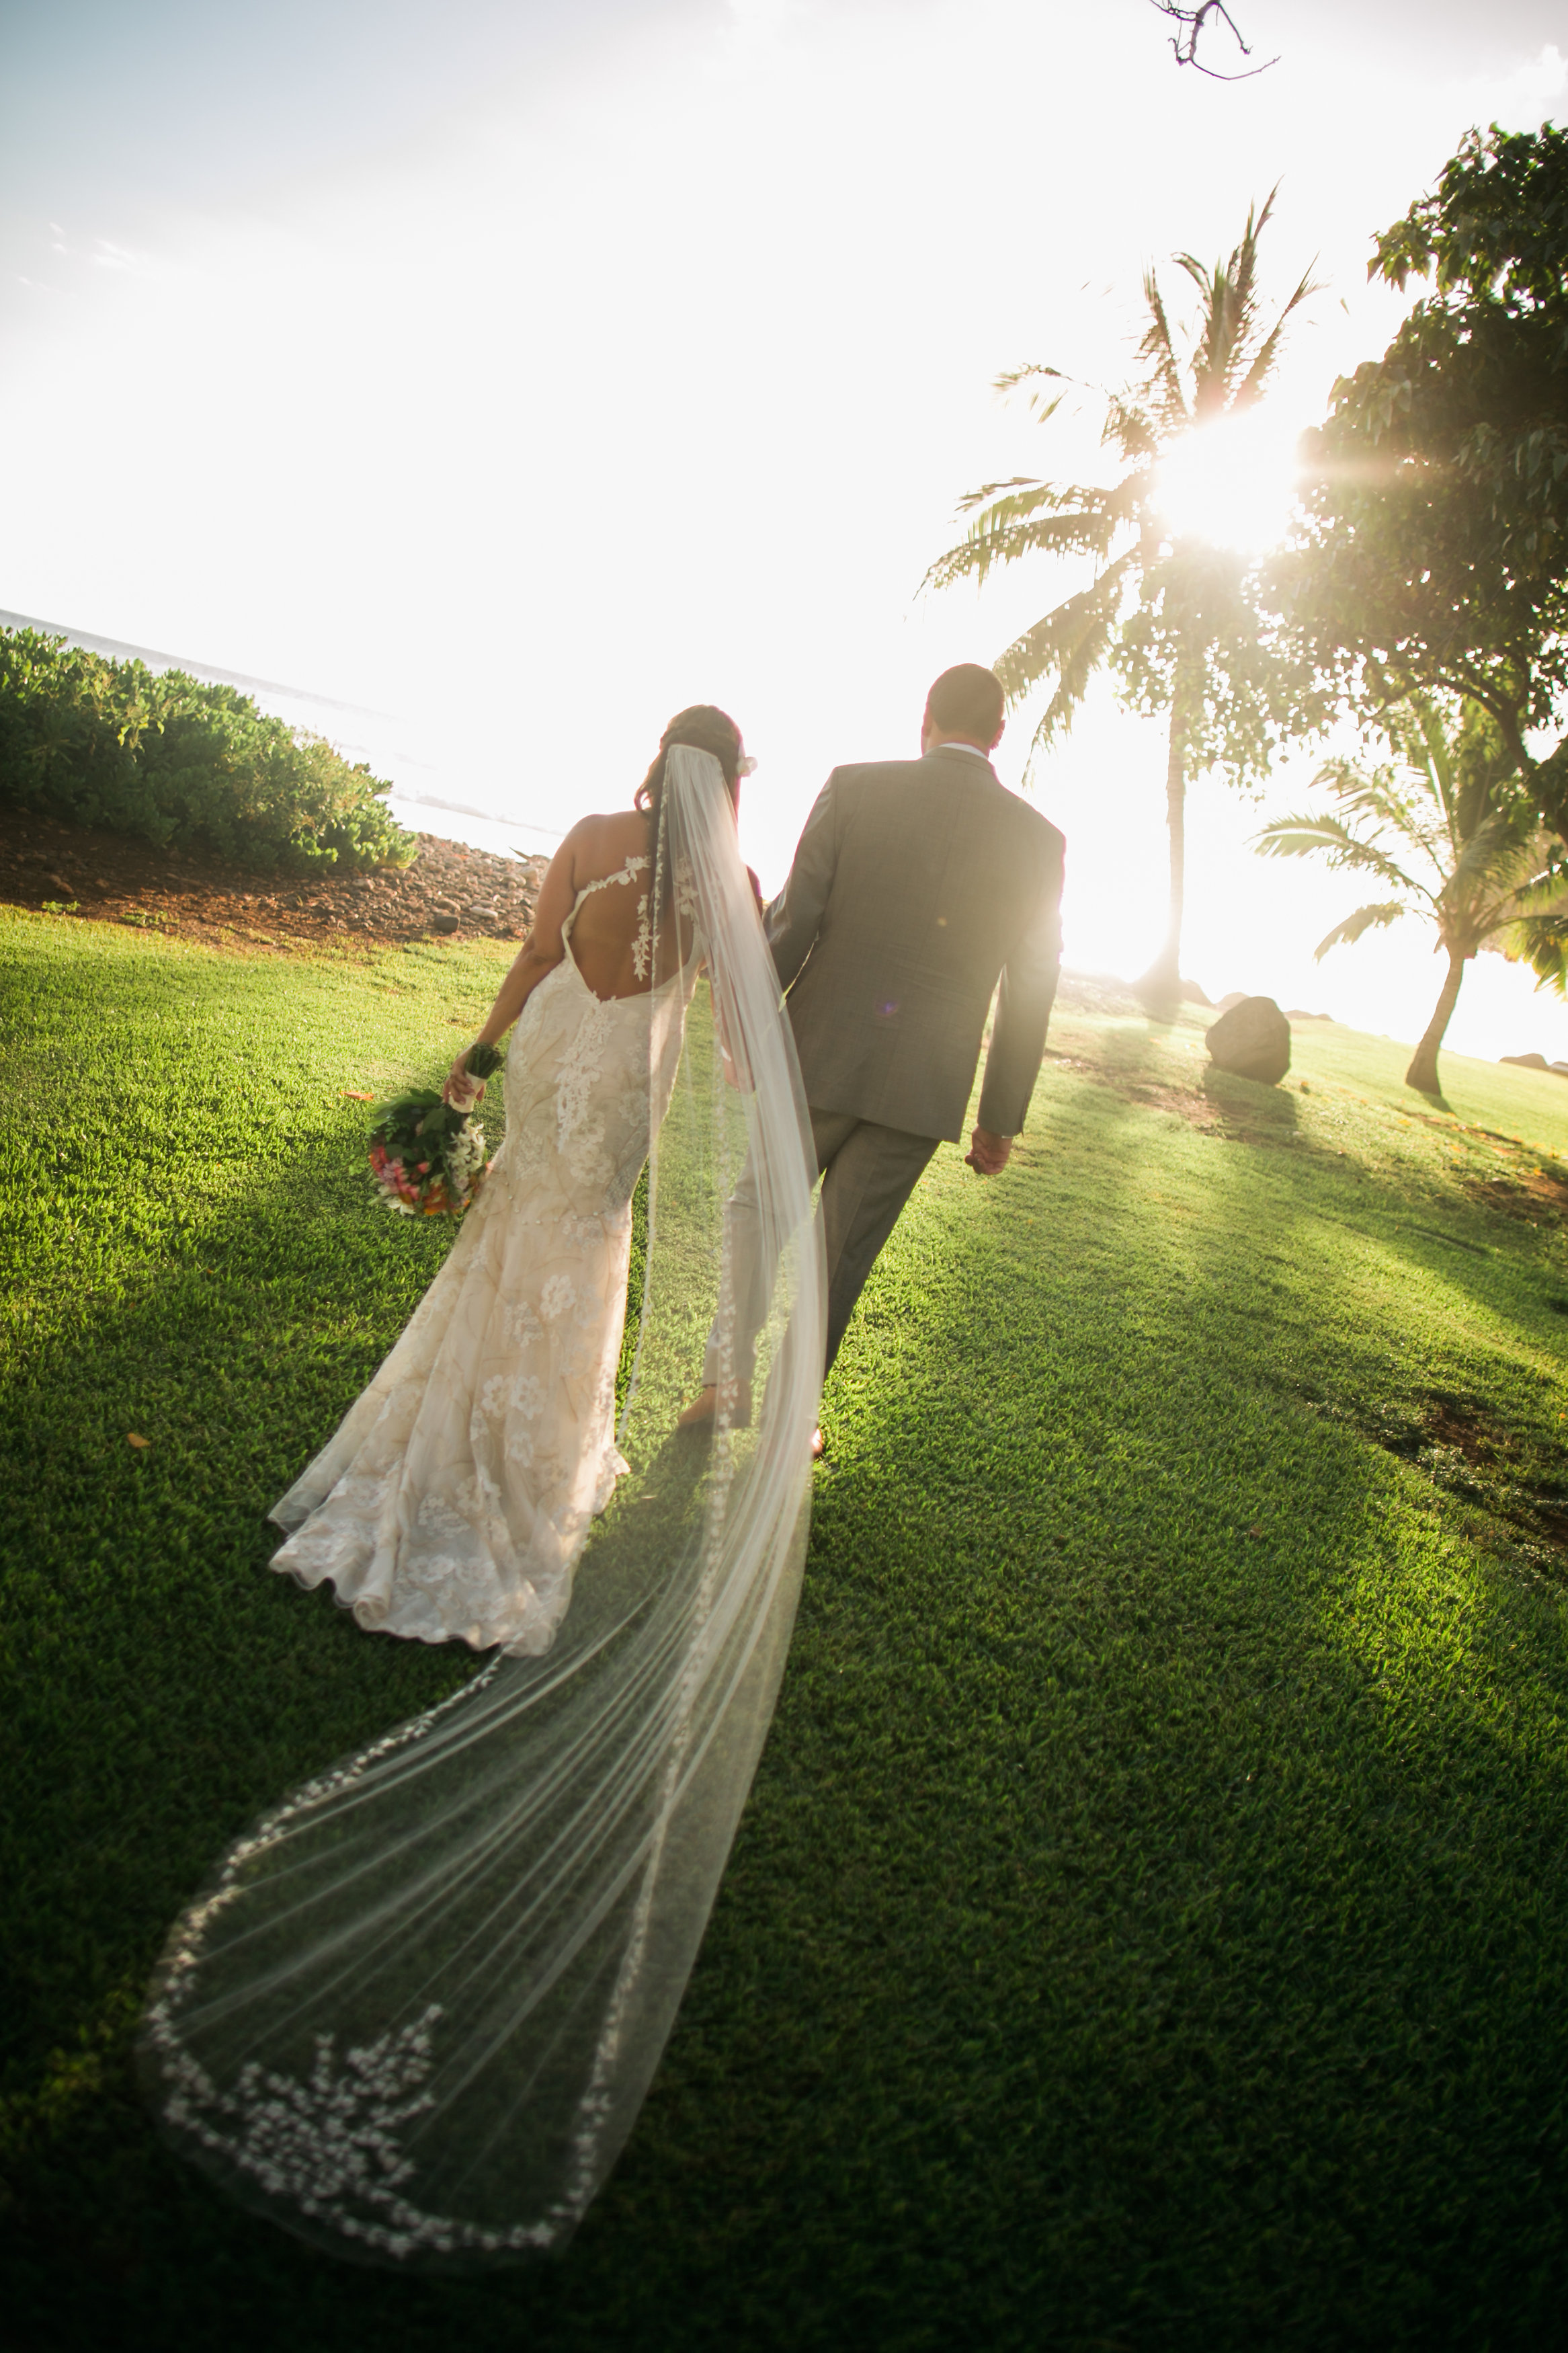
1251 386
1072 641
1541 942
1158 349
1373 796
1034 495
1041 407
1224 325
1313 836
1421 732
1130 429
1376 917
1543 891
1032 521
1499 854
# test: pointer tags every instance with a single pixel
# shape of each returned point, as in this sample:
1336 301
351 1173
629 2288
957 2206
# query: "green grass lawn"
1149 1929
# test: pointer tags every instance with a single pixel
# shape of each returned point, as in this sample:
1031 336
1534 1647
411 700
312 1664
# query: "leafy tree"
1435 555
1448 830
1173 616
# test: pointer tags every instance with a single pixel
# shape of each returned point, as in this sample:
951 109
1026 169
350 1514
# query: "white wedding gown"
454 1499
413 2011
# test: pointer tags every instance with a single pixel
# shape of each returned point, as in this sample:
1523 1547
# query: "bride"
453 1501
413 2014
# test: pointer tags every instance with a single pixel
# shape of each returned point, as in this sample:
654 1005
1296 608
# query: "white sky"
523 372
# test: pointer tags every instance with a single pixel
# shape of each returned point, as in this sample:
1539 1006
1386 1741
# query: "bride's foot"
703 1409
700 1414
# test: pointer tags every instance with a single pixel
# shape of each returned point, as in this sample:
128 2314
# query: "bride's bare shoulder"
601 844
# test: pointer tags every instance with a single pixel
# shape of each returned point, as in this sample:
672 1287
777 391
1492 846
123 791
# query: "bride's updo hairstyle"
707 729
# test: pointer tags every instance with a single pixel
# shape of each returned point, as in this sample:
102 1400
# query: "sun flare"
1230 482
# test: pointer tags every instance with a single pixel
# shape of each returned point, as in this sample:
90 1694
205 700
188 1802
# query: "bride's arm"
540 954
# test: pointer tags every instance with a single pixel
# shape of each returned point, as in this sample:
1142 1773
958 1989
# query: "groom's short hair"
967 701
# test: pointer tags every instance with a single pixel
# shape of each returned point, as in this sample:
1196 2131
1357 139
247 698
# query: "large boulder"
1252 1040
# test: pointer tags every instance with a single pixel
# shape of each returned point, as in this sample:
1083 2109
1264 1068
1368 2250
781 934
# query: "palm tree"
1158 605
1447 806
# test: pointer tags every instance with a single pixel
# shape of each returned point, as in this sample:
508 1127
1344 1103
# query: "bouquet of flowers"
427 1156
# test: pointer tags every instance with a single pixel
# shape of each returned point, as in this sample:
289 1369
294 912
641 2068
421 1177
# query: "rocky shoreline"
450 892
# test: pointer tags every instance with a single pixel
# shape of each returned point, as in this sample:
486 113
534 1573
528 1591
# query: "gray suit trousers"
868 1174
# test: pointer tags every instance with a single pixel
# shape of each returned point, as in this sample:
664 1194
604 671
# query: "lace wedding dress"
454 1499
413 2012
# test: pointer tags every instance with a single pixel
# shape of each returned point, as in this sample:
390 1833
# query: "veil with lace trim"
414 2012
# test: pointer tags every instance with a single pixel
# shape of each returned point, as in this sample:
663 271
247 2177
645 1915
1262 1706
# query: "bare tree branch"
1192 22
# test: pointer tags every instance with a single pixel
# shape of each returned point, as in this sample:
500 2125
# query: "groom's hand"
987 1154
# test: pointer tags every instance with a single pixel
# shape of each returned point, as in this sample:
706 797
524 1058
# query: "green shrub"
113 744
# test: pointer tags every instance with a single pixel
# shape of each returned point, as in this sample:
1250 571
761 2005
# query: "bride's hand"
462 1090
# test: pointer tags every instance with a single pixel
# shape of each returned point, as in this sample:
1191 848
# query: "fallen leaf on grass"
136 1441
354 1095
1255 1532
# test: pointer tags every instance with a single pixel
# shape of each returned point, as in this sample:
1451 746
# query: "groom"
916 885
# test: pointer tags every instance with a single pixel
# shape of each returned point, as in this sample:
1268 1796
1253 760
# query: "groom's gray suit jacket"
916 885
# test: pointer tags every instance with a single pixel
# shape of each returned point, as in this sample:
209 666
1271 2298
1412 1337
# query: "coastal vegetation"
1145 1926
182 763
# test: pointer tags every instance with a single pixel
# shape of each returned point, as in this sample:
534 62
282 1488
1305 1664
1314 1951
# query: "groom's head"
965 706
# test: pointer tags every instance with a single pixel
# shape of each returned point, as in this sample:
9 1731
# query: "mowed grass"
1149 1927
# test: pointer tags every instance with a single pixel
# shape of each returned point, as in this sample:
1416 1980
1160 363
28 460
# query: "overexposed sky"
521 372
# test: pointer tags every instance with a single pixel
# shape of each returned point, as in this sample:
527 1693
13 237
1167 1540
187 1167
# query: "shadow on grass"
1248 1102
1147 1927
1239 1783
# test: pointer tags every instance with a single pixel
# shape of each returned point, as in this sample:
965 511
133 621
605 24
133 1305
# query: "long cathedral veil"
414 2012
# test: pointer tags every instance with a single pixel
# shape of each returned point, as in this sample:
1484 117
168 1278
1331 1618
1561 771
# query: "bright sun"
1230 482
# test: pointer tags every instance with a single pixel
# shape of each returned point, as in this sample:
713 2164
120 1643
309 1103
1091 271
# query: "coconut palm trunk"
1160 986
1423 1070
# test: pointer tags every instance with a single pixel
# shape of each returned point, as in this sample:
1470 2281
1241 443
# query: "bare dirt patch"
1468 1448
449 891
1218 1108
1538 1197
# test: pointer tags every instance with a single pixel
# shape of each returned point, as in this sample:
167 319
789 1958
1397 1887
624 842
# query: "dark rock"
1228 1004
1526 1062
444 924
1252 1041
